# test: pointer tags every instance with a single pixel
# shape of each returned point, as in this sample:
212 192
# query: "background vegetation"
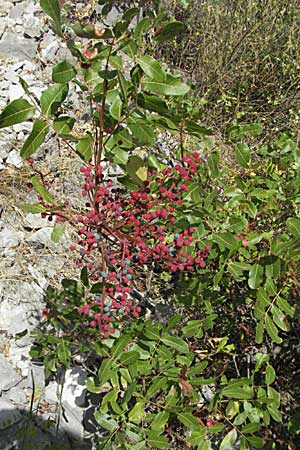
243 58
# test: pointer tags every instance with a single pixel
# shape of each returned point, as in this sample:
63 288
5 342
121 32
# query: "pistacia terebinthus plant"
129 226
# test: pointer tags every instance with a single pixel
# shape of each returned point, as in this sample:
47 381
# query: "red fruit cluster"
123 234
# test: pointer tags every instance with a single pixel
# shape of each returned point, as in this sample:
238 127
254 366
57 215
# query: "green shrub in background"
243 58
237 328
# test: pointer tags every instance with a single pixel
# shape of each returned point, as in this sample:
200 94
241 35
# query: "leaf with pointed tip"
169 31
63 125
255 276
143 133
52 9
57 232
242 153
33 208
152 68
156 440
272 330
85 147
259 333
16 112
63 72
116 108
293 225
176 343
52 98
229 440
35 139
171 86
40 189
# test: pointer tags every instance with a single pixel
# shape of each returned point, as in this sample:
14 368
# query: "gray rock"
72 423
24 341
10 238
74 390
34 222
19 324
38 277
20 357
38 374
3 26
11 76
42 237
15 91
17 396
16 14
24 126
8 376
51 392
17 48
14 159
32 27
9 415
20 136
50 51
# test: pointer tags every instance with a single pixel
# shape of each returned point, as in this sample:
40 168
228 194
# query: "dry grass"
13 192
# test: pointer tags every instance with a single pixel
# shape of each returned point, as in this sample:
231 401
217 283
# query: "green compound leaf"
259 332
116 108
169 31
193 328
189 421
40 189
229 440
262 301
286 307
63 125
270 374
34 208
137 413
143 133
57 232
63 72
176 343
139 446
119 345
152 68
16 112
64 352
105 421
35 139
156 440
272 330
84 147
52 9
242 153
225 240
160 420
136 169
52 98
129 357
255 276
293 225
251 427
105 371
274 413
256 441
171 86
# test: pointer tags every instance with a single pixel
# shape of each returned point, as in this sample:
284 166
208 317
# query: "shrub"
220 244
